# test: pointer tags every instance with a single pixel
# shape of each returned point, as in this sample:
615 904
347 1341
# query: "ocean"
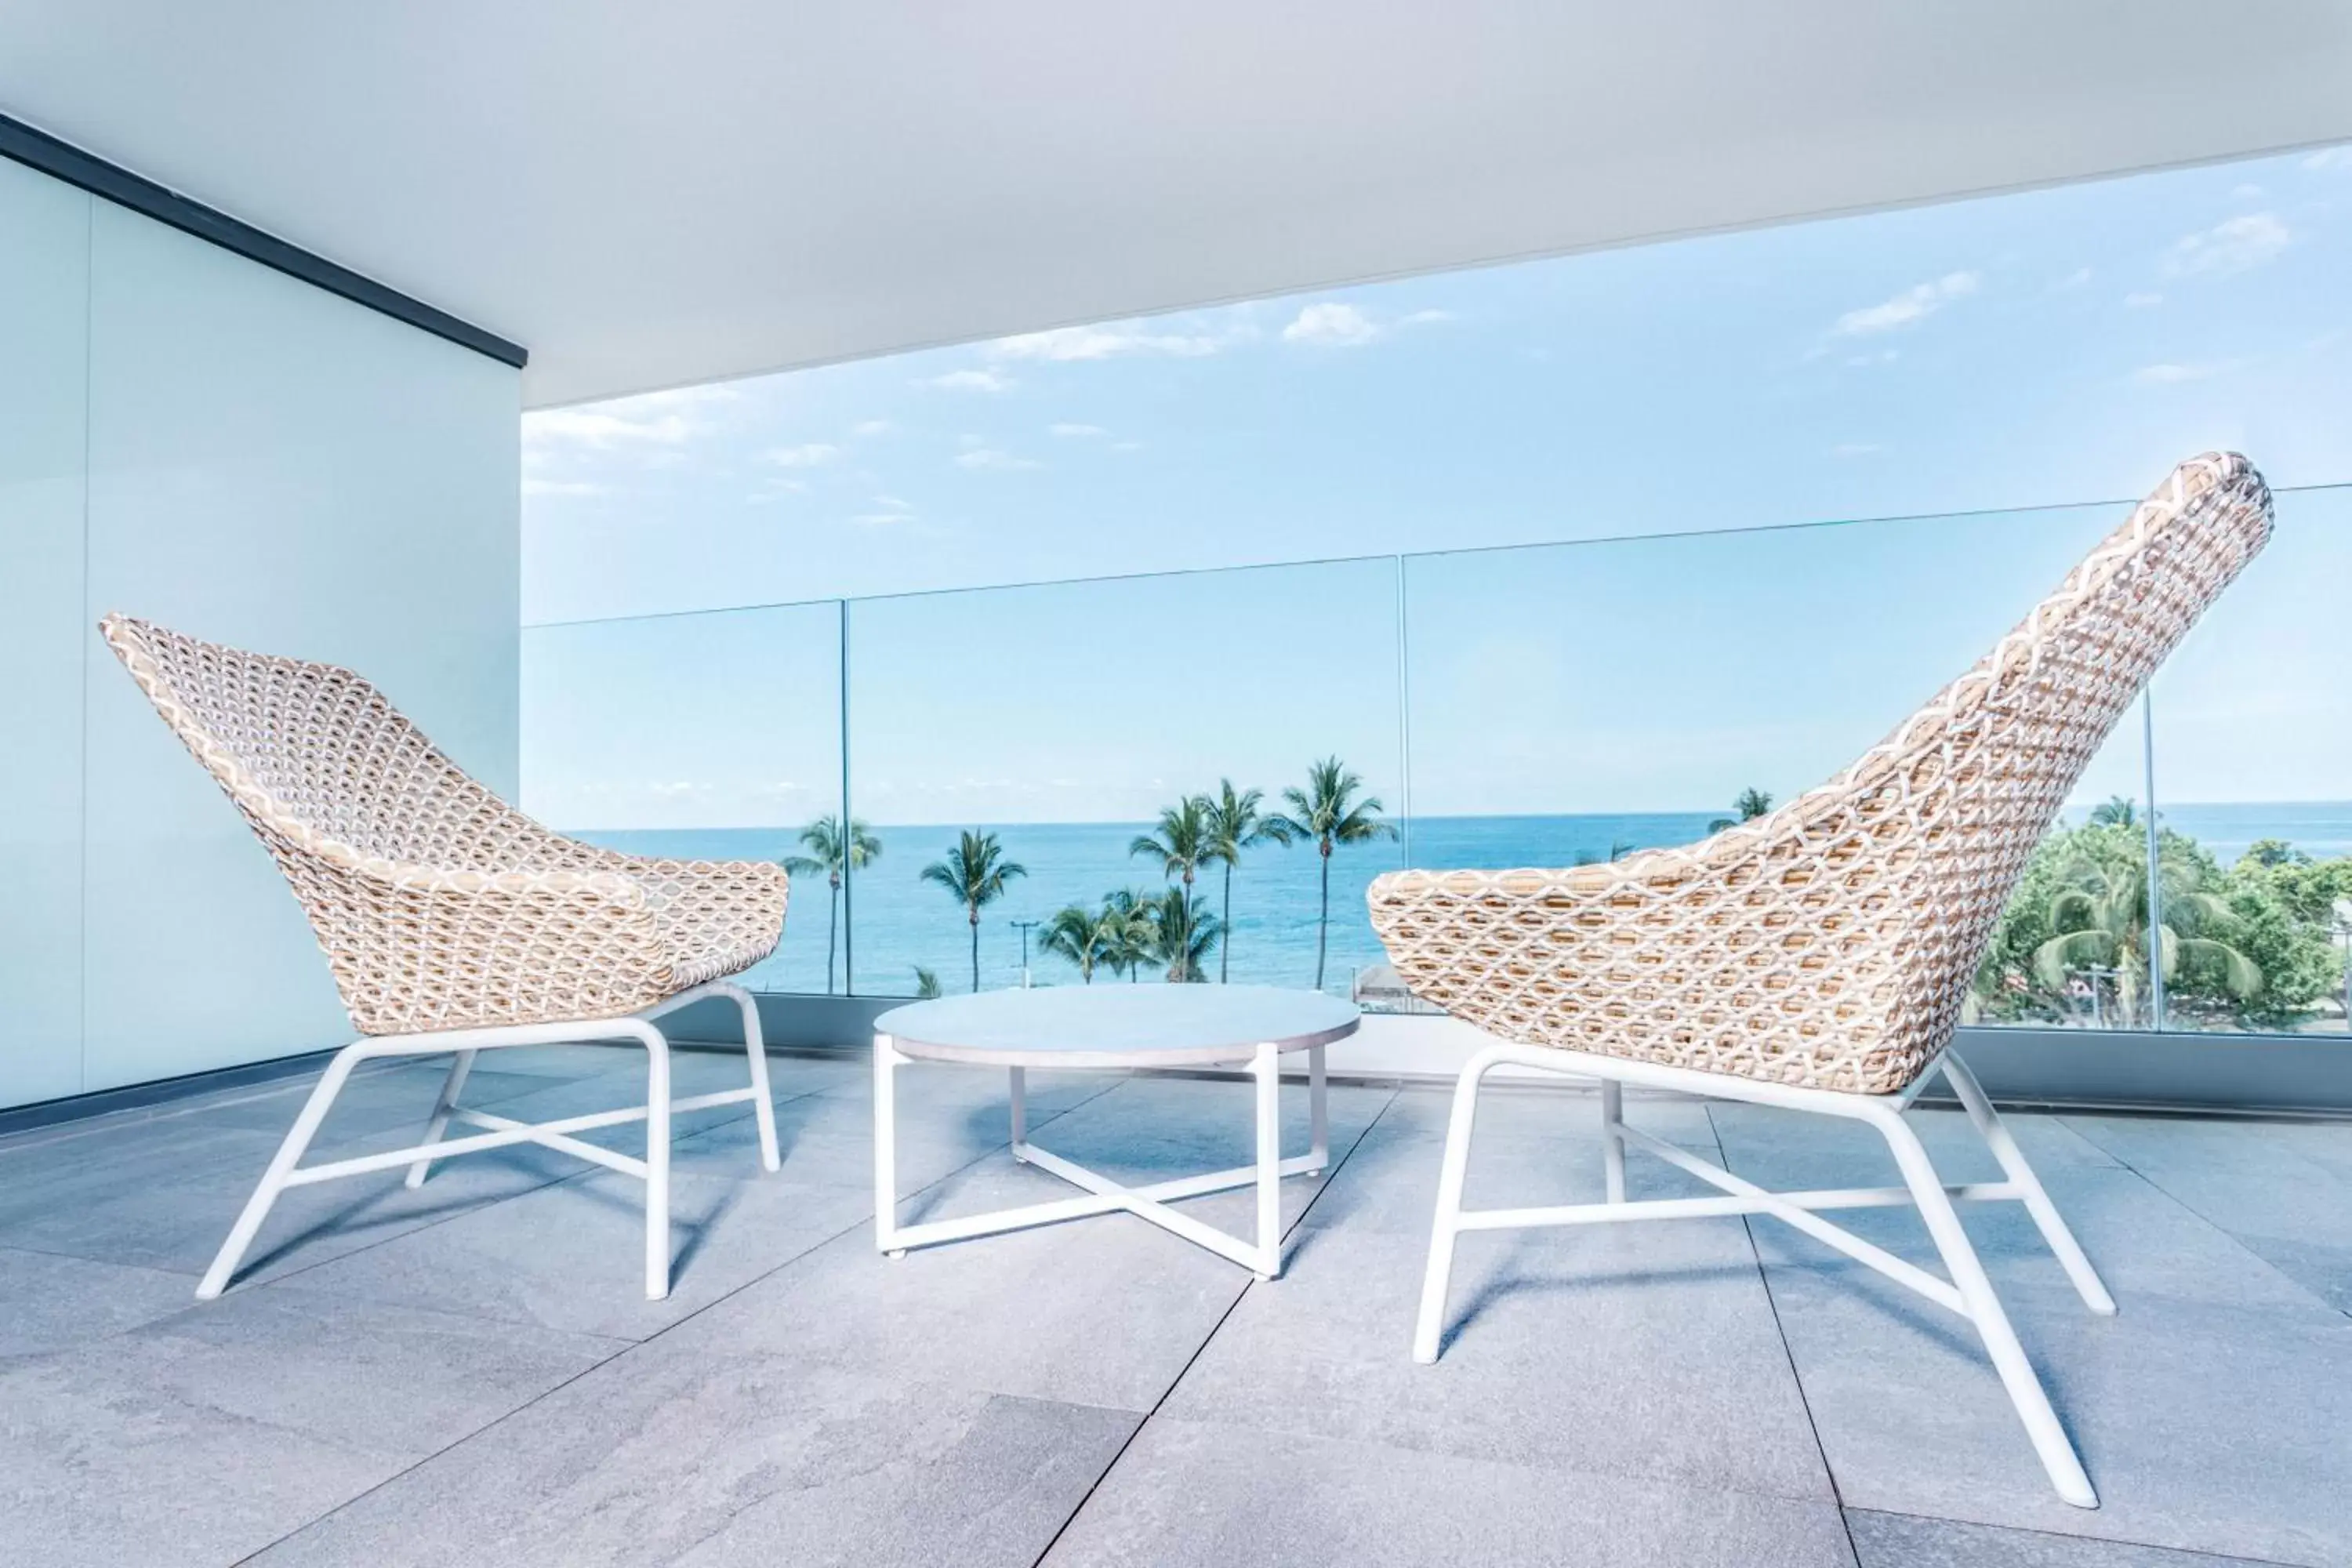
893 922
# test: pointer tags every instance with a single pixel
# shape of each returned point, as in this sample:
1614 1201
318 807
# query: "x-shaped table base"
1104 1196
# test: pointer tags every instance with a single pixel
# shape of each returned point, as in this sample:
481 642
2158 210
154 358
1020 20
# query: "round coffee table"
1114 1027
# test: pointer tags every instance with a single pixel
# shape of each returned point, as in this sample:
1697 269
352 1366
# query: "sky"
2020 352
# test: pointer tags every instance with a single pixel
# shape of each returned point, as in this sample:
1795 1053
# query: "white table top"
1116 1024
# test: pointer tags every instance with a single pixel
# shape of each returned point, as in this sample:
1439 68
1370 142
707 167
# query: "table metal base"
1104 1196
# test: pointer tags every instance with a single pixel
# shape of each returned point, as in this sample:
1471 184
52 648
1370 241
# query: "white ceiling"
648 194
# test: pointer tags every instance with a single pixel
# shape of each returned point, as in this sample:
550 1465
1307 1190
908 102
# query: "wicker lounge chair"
454 923
1817 958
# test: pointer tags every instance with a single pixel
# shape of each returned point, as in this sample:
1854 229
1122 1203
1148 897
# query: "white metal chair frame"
286 1169
1968 1292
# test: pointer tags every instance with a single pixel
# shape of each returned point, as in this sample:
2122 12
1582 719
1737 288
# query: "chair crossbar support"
1969 1291
1909 1275
286 1170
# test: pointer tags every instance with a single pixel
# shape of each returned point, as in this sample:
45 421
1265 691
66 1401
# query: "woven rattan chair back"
438 904
315 754
1831 943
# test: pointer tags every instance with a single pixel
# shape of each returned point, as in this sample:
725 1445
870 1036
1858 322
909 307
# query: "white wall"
221 447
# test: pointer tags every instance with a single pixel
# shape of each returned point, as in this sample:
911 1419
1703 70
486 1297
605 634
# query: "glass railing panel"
1056 725
2253 780
712 736
1577 702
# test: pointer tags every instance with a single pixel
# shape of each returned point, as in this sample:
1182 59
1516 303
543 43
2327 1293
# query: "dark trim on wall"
63 161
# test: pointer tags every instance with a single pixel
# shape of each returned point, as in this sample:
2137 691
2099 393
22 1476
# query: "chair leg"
1444 1228
451 1087
273 1180
2059 1460
763 1104
2061 1241
1613 1141
657 1161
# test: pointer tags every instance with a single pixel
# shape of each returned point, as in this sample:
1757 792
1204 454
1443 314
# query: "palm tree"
1752 803
1617 849
2100 915
975 873
1182 842
2116 811
1327 811
1085 937
832 851
1235 824
927 983
1181 934
1130 919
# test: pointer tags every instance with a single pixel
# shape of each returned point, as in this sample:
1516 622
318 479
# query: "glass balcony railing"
1024 754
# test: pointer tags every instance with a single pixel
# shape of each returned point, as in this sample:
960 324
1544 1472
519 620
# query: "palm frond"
2075 950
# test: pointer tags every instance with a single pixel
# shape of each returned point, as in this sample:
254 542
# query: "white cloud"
2233 245
1856 449
2142 300
994 460
1112 340
883 511
2075 279
807 455
535 487
1913 305
1883 356
866 427
2172 375
1330 324
987 380
2329 158
1077 432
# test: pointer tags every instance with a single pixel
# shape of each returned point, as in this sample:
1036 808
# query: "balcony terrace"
466 1372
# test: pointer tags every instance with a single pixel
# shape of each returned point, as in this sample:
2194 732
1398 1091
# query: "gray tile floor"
467 1373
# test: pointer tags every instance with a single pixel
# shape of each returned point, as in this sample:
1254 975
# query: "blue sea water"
889 922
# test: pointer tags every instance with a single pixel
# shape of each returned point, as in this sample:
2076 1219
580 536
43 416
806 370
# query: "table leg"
1318 1111
1267 1069
885 1146
1020 1076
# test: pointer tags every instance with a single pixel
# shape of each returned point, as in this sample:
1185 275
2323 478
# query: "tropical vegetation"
832 849
2253 945
975 873
1328 814
1751 804
1236 823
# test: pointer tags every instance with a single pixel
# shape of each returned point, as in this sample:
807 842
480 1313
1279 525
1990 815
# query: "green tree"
2116 811
927 983
1181 842
1328 814
975 873
1083 936
1130 920
2285 905
1236 823
1182 933
1751 804
2098 918
832 849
